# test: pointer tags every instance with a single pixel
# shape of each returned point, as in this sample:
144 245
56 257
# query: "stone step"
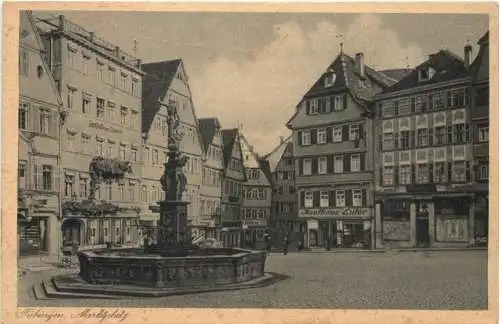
52 292
39 292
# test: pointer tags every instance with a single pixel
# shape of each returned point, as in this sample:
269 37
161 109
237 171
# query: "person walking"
286 243
267 239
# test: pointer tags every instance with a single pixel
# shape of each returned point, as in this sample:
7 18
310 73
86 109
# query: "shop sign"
254 222
335 212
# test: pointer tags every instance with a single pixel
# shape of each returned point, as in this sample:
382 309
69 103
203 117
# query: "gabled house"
212 175
424 156
39 146
234 177
332 145
166 83
257 195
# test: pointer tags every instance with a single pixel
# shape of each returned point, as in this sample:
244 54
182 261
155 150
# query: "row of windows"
284 189
44 177
284 207
111 75
210 207
103 110
255 193
37 119
284 175
453 134
253 173
325 105
253 213
435 101
102 148
211 177
425 173
233 188
116 192
325 135
235 164
333 164
334 198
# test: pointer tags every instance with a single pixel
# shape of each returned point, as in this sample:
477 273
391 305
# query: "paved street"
427 280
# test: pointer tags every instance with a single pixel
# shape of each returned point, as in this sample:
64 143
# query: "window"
484 134
422 173
121 191
110 192
338 164
388 176
85 104
23 116
321 136
313 106
85 142
329 79
353 132
123 81
71 94
339 103
459 171
100 107
460 133
84 185
423 137
357 199
355 162
388 141
100 71
133 155
99 148
323 199
123 116
69 181
322 165
440 135
85 64
404 174
21 174
144 194
340 198
412 105
112 75
123 154
109 150
439 173
308 199
307 167
44 121
135 87
337 134
483 172
71 142
24 63
133 119
405 139
306 138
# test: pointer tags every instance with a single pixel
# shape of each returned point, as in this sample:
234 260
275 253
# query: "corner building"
333 151
424 161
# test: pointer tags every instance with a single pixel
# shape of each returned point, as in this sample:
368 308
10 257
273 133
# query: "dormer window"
330 78
426 74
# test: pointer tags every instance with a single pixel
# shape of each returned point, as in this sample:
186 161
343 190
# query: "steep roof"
348 77
254 163
479 68
447 65
485 39
274 157
155 84
264 166
396 74
228 138
208 127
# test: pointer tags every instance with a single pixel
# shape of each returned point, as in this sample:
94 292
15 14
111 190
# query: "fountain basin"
203 267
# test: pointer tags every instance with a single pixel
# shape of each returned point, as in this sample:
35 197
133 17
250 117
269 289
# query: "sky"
254 68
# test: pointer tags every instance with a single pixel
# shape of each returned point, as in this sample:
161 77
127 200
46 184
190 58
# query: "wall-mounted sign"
254 222
103 126
349 212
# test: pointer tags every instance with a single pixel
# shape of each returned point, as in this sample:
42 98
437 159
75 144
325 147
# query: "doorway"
423 238
72 229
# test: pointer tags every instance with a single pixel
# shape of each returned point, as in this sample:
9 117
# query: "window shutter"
302 199
345 101
308 107
314 134
396 140
299 133
331 198
348 198
347 163
467 172
345 133
396 175
329 164
431 173
301 166
413 175
331 99
329 134
362 161
467 133
315 198
314 163
449 134
361 131
381 176
449 170
363 198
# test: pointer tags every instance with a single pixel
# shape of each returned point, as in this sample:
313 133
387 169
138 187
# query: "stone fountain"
174 265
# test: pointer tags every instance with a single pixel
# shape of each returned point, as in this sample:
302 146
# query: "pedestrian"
267 239
286 242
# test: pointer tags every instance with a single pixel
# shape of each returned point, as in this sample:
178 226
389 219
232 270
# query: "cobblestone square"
407 280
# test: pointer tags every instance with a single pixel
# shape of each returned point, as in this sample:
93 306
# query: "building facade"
39 147
166 83
480 138
333 150
101 89
257 195
212 173
230 231
424 156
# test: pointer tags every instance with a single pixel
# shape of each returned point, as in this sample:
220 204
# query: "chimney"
360 64
117 51
282 139
467 55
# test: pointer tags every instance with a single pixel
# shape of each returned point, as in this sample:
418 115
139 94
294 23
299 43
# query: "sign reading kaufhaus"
343 212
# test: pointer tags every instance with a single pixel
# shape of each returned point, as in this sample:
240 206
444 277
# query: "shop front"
253 232
348 227
230 233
